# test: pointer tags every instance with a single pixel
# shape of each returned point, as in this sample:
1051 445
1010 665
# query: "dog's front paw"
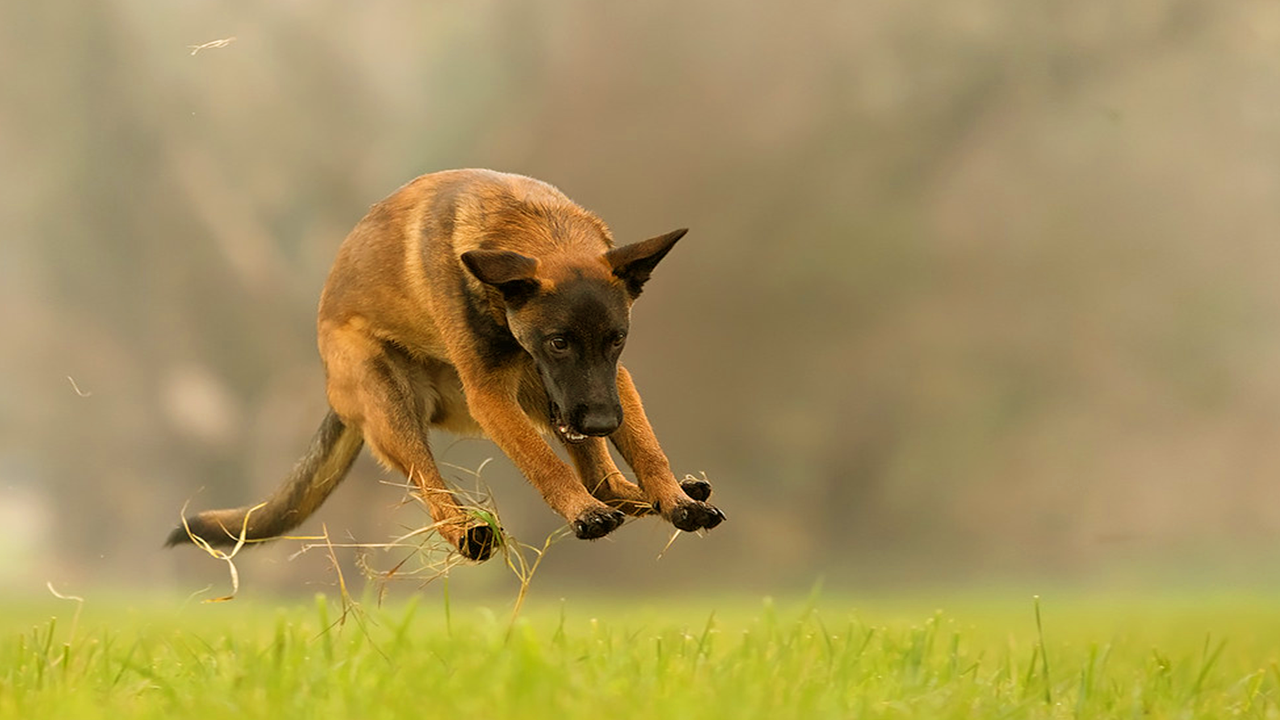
597 522
696 488
694 516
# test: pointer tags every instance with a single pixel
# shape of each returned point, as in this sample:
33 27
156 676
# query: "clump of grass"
427 557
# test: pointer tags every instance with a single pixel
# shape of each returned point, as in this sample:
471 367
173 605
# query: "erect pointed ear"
634 263
510 272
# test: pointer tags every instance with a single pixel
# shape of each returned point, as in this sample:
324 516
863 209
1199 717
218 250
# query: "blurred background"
975 292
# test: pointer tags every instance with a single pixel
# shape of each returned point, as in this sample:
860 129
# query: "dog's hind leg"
378 387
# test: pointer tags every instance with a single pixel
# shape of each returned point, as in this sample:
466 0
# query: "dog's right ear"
632 264
510 272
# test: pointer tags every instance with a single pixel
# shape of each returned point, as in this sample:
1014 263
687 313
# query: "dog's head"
572 315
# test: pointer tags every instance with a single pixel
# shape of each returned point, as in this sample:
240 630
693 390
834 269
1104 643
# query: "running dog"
484 303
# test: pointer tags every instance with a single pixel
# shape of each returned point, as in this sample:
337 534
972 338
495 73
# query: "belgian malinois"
481 302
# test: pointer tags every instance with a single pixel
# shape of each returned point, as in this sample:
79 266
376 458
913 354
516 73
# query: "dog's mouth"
570 435
562 428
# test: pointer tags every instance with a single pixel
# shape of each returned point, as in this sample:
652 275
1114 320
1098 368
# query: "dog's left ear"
632 264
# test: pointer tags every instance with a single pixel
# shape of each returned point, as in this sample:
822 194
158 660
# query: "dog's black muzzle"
586 421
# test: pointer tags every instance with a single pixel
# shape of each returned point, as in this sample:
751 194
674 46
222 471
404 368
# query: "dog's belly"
447 408
445 404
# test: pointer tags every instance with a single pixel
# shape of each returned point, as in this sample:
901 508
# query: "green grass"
981 658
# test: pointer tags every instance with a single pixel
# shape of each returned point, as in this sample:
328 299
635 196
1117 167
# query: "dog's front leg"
505 422
639 447
603 479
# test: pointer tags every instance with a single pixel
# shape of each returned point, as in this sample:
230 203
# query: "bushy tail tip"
178 537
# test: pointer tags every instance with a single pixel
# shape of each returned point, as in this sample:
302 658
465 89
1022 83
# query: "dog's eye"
558 343
619 339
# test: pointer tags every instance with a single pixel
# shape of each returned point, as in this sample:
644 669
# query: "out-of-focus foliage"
972 287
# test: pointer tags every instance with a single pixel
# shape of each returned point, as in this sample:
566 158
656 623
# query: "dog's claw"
597 522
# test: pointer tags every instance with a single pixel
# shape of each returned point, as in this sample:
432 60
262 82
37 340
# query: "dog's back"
399 269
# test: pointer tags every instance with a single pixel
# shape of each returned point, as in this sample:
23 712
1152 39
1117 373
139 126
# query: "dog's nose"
599 421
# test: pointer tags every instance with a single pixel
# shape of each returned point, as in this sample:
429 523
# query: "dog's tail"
333 448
